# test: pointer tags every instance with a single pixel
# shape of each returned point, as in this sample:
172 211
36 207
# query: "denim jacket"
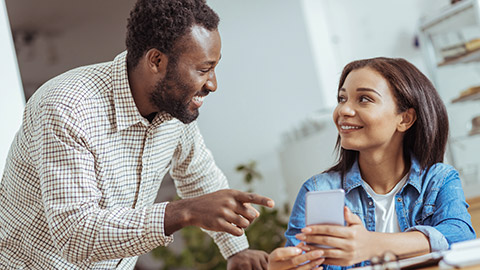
432 202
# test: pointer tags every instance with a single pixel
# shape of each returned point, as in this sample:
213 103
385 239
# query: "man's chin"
187 118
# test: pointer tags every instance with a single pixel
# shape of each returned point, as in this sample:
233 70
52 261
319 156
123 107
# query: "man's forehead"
198 34
199 40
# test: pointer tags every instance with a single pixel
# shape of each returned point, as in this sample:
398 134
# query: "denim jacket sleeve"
297 217
444 219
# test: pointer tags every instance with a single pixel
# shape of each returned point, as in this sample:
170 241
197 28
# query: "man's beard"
163 99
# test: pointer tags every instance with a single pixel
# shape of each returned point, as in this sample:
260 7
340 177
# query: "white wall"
96 38
266 84
12 100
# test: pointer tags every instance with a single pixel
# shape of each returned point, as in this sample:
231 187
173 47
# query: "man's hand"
225 210
248 259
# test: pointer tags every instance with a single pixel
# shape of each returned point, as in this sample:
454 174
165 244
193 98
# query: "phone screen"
325 207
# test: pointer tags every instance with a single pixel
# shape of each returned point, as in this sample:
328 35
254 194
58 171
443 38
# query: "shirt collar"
353 178
126 111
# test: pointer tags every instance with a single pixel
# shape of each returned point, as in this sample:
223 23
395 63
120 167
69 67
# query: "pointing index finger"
254 198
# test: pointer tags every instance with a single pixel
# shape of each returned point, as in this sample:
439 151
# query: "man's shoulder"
76 86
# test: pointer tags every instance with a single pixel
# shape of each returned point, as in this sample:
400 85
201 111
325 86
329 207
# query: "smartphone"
325 207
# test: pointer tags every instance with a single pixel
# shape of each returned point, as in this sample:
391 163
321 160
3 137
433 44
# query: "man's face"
190 75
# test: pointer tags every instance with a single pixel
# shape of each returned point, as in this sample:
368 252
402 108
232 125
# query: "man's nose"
211 83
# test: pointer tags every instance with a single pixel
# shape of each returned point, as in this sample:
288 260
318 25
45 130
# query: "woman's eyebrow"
365 89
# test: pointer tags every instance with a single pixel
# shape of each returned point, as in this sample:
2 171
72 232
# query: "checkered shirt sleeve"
195 173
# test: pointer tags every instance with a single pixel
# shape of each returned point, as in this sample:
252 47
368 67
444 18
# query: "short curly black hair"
159 23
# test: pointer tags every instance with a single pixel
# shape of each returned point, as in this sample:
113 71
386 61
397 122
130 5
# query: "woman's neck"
382 171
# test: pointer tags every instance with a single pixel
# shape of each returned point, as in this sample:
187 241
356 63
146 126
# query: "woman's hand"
351 244
292 258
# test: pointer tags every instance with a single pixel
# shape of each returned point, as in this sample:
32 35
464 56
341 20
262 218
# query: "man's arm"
195 174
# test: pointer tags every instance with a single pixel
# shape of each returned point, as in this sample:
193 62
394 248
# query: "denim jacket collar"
353 178
415 178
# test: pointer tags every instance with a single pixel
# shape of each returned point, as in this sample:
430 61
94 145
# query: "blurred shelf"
450 38
441 21
475 96
467 137
473 56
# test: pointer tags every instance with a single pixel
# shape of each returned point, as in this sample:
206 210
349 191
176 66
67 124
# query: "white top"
385 215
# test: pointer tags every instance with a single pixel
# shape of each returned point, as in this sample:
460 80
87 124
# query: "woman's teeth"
349 127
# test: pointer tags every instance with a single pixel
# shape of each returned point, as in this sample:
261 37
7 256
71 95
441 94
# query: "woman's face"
366 115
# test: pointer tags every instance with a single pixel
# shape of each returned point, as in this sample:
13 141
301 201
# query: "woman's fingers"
281 254
291 257
351 218
308 256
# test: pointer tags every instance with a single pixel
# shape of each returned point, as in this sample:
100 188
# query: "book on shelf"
461 49
468 94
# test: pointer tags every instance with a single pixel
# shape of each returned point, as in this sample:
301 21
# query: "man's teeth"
349 127
198 98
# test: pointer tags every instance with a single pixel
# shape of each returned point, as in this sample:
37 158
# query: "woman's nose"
346 109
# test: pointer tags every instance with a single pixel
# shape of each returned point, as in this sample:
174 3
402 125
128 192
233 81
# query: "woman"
399 196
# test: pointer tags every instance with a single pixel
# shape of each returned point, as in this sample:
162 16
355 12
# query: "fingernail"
300 236
297 250
271 203
307 230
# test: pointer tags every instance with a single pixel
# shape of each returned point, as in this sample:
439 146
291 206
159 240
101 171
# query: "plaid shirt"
83 172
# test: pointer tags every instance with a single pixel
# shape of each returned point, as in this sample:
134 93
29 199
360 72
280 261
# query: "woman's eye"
365 99
341 99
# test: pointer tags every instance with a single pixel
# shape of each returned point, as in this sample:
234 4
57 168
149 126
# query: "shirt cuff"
437 240
156 224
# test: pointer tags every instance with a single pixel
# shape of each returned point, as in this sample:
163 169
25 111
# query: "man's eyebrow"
212 62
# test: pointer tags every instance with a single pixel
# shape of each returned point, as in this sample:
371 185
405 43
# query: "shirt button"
370 203
399 199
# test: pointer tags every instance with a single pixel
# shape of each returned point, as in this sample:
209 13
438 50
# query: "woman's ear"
408 119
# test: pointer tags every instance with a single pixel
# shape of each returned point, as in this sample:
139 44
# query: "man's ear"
408 119
156 61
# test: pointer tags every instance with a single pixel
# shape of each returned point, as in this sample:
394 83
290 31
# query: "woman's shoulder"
438 175
324 181
441 170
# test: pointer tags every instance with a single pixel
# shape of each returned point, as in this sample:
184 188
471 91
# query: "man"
83 171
